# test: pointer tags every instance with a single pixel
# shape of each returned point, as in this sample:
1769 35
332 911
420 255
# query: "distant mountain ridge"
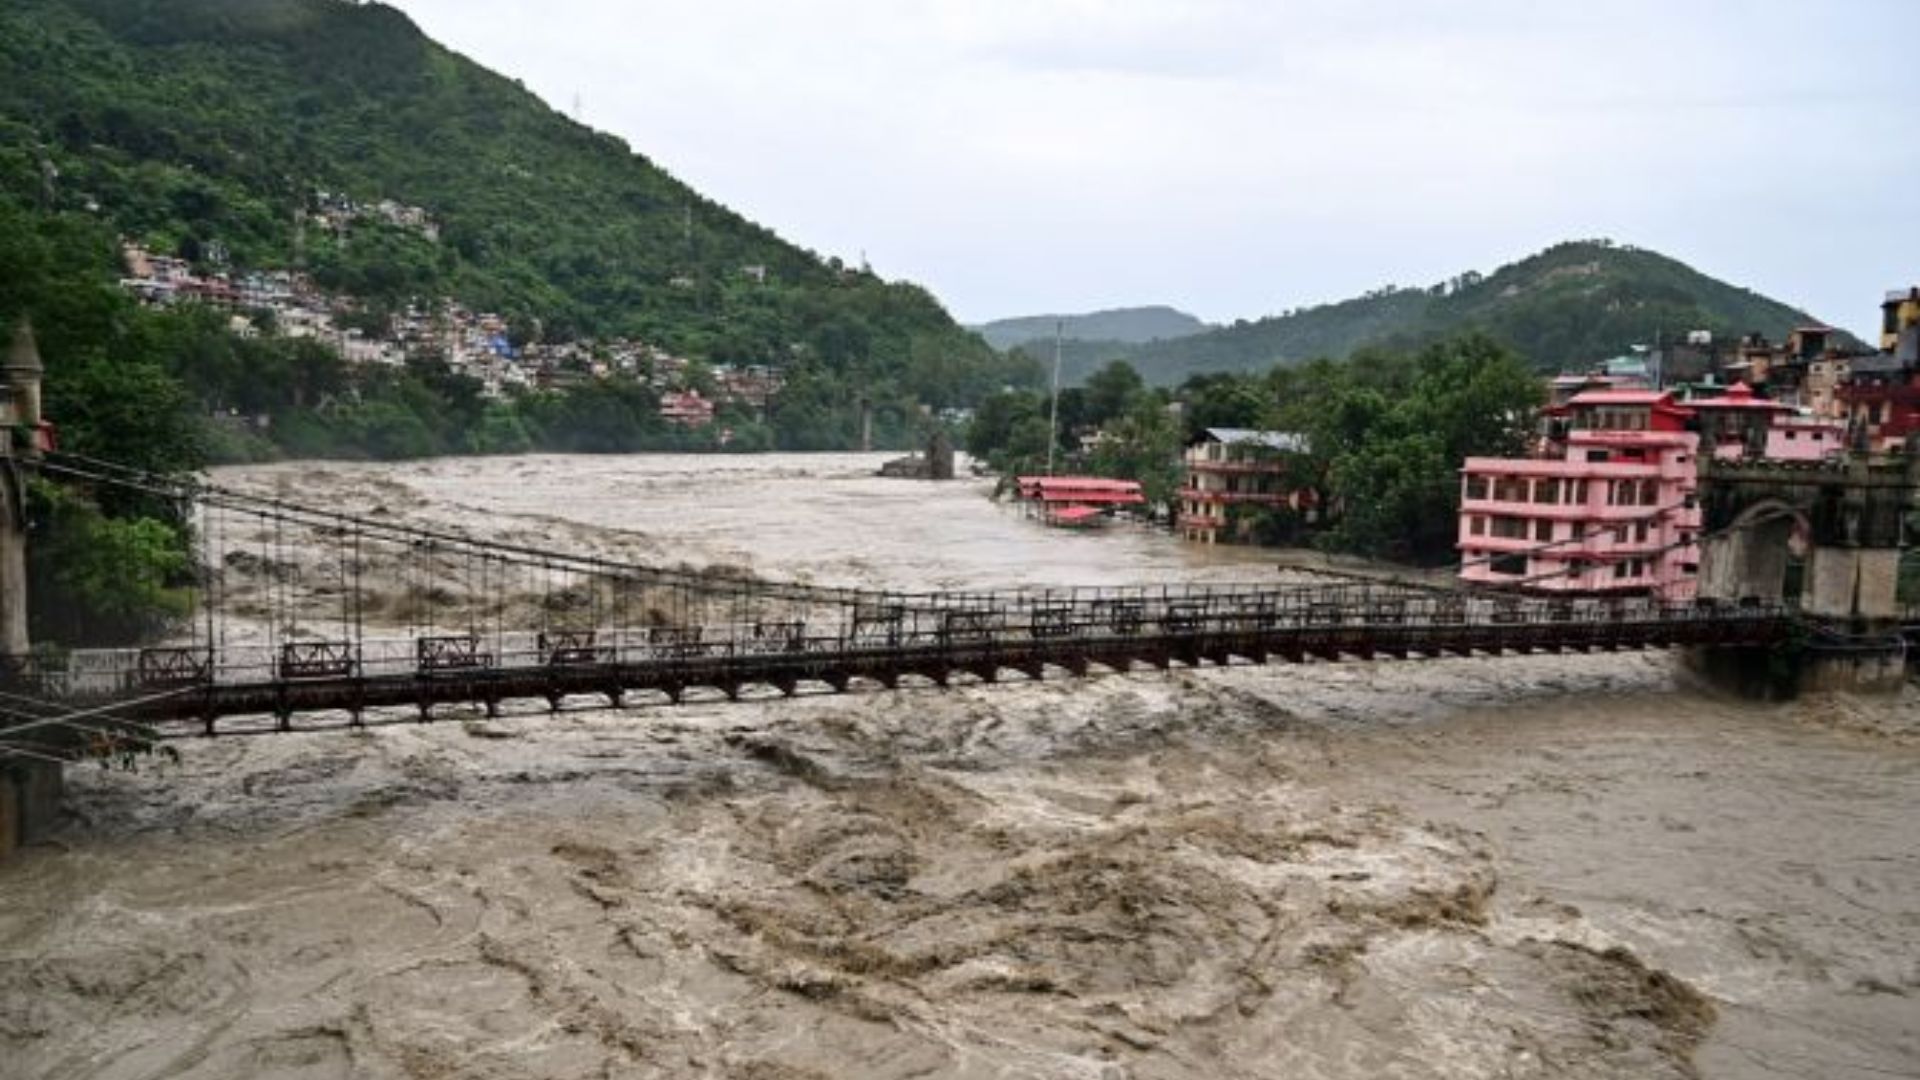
1128 325
1572 304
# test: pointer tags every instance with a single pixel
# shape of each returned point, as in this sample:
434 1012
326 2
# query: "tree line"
1386 431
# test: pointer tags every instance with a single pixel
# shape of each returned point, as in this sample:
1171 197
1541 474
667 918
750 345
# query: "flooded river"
1576 866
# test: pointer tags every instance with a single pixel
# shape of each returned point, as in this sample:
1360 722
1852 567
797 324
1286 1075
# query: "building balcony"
1560 468
1238 468
1664 512
1267 498
1592 549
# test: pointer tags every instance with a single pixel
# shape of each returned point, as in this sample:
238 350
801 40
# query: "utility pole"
1053 414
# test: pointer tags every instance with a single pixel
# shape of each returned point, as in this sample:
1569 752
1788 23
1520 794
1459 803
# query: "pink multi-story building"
1608 506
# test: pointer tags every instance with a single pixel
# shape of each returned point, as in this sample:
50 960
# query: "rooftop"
1739 396
1272 440
1622 397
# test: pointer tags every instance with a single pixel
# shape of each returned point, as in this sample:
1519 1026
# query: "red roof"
1739 396
1073 513
1081 489
1622 397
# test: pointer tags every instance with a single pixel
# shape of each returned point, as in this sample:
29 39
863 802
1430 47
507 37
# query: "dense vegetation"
1386 430
1573 304
208 126
205 128
1134 326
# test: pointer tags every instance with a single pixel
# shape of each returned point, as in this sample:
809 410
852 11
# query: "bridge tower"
20 440
29 788
1847 517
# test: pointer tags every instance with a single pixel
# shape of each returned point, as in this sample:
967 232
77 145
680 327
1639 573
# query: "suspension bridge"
307 618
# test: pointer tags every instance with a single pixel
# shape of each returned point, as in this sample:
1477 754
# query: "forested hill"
1132 325
1572 304
202 126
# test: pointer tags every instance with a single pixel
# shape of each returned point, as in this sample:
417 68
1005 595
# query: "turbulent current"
1550 866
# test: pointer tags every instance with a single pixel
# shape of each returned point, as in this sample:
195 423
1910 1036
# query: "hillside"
212 128
1568 305
1131 325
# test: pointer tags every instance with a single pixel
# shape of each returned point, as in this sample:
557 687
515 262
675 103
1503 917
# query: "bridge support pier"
1783 672
29 802
1849 517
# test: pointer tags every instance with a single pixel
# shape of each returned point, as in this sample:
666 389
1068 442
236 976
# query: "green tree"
1112 391
1144 445
95 580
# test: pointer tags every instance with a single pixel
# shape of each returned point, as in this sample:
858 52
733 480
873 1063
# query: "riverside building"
1608 505
1237 467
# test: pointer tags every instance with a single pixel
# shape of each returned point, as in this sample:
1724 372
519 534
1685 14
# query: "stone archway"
1747 559
1853 512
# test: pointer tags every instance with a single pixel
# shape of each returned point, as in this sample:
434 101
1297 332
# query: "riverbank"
1529 866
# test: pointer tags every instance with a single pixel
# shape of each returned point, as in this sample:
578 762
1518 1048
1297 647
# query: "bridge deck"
175 687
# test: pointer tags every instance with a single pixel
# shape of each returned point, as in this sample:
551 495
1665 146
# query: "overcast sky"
1239 157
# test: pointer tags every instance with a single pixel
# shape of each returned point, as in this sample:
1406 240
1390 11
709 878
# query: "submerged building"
1238 467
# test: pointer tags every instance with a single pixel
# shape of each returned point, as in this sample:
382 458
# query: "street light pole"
1053 414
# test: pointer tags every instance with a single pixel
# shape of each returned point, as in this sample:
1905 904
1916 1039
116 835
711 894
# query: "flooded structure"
1229 470
1848 516
1077 501
935 464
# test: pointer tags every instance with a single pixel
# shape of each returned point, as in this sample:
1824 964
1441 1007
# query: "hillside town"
477 344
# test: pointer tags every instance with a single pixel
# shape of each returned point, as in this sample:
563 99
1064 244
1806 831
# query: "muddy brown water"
1545 866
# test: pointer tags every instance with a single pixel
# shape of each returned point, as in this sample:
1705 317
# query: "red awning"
1073 513
1081 489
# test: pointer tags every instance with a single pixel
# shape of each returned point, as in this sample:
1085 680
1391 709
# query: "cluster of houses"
477 344
1606 503
339 214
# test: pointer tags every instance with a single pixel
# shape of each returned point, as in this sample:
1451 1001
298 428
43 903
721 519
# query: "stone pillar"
940 455
29 787
13 560
20 373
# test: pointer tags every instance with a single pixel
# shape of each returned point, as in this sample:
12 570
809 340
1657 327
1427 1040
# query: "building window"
1476 487
1477 525
1543 530
1546 491
1619 570
1510 565
1640 533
